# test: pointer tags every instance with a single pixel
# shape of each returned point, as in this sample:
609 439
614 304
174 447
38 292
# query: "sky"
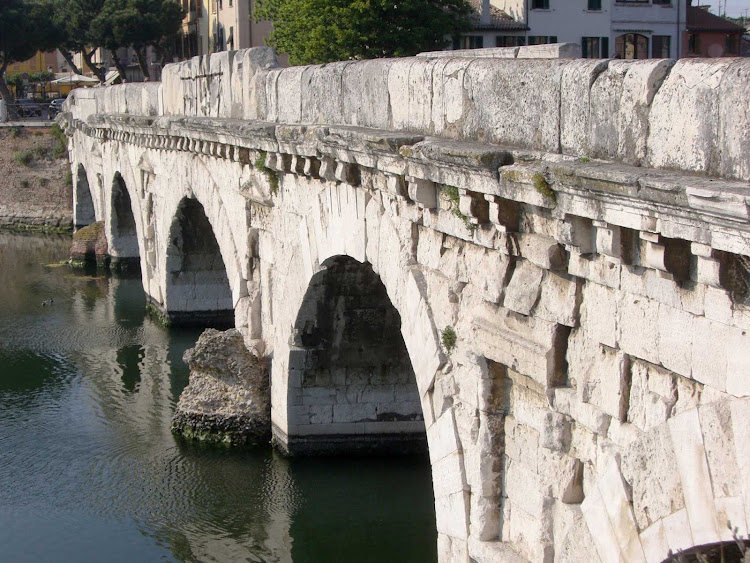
735 8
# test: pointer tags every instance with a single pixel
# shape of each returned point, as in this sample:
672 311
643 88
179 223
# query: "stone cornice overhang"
701 209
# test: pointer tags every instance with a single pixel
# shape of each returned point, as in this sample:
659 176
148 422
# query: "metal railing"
27 112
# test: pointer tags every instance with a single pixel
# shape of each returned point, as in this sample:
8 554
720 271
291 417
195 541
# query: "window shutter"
584 48
605 48
553 38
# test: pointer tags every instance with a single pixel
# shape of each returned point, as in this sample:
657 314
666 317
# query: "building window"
694 44
660 46
595 5
509 41
594 47
631 46
540 4
663 2
469 42
542 39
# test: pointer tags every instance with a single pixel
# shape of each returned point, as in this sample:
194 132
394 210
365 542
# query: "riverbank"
36 189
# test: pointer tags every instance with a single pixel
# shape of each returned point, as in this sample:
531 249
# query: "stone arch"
123 244
197 288
352 387
678 487
84 212
346 221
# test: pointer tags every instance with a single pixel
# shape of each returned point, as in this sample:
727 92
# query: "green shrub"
15 131
448 338
61 149
23 157
69 179
24 184
43 182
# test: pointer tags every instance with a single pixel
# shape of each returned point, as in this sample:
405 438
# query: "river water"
89 470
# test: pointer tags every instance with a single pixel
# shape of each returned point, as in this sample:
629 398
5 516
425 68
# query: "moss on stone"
543 187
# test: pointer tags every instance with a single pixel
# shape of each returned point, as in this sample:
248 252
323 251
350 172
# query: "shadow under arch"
124 252
83 204
197 287
352 388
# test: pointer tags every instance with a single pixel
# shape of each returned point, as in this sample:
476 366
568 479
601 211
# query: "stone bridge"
563 244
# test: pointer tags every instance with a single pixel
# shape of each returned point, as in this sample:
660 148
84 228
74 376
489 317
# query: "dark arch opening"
724 552
198 292
352 388
84 205
124 251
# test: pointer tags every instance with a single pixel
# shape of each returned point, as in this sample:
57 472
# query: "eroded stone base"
349 444
228 399
211 319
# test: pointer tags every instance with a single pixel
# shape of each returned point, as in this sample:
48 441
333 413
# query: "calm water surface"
89 470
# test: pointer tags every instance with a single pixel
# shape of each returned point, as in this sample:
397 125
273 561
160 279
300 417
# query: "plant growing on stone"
448 338
273 177
453 197
543 187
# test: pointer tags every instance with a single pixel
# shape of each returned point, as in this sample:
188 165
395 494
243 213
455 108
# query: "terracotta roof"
699 19
498 20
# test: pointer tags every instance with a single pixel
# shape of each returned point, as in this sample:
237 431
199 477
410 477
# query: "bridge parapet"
688 115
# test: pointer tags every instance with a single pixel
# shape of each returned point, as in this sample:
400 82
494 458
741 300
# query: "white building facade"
629 29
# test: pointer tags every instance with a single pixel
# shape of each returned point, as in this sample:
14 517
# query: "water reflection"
87 390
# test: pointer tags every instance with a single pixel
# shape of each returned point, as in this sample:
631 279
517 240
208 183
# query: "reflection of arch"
349 359
124 244
83 204
677 487
197 286
631 46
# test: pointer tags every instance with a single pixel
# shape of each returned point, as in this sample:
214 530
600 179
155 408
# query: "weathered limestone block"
559 300
653 395
693 90
247 91
542 250
575 107
601 374
228 398
609 516
621 98
692 467
638 327
709 359
524 287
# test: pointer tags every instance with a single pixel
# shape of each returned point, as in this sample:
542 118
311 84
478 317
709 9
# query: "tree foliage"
26 26
137 24
319 31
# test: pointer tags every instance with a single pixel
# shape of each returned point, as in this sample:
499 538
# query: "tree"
26 26
137 24
319 31
75 17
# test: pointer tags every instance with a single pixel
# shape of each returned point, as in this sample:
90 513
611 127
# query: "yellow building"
39 62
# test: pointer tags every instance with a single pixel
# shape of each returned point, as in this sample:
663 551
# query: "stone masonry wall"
597 400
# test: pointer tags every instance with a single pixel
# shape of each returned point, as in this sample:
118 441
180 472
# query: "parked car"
55 106
28 108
